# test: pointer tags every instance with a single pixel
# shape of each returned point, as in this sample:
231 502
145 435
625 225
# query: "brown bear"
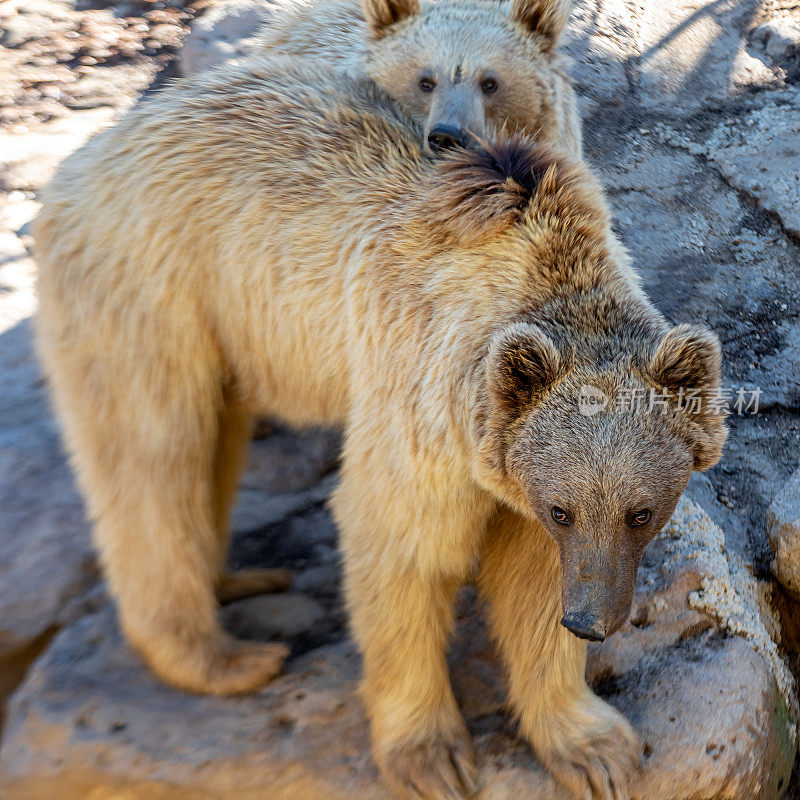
271 238
460 67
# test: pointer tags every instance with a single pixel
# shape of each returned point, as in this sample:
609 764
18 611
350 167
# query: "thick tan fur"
395 41
271 239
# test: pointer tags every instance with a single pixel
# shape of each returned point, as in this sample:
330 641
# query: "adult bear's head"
592 411
601 439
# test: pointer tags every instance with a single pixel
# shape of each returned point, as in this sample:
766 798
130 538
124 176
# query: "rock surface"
778 37
705 704
225 33
783 532
28 162
759 154
691 118
711 722
57 56
46 563
672 656
305 737
692 54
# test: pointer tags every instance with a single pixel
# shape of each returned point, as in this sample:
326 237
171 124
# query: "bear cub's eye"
640 518
559 515
427 84
489 86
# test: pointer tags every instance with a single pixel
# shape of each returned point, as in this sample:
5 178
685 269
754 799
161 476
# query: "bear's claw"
598 765
442 769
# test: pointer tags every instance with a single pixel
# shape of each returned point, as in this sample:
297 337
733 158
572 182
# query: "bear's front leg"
586 744
407 549
419 740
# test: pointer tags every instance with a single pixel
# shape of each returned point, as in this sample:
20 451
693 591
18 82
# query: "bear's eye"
427 84
489 86
640 518
559 515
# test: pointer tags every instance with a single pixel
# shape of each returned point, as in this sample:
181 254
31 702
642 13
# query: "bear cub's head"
597 427
464 67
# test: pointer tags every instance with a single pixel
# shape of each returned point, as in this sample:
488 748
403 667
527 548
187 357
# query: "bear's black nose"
584 626
445 137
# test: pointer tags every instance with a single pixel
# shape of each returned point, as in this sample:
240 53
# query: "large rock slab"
599 41
760 155
46 563
28 161
224 34
709 254
91 718
693 54
783 532
704 254
712 723
45 555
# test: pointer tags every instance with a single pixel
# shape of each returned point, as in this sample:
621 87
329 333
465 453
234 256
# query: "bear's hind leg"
585 743
235 428
158 545
144 449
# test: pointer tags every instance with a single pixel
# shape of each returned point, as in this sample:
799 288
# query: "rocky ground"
692 118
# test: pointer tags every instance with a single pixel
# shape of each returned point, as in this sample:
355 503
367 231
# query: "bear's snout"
447 137
596 586
585 625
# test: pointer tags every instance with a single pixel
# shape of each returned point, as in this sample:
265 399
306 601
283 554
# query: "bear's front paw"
592 751
439 768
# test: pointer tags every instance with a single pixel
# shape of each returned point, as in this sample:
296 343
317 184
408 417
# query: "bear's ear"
382 14
688 357
522 363
687 363
547 18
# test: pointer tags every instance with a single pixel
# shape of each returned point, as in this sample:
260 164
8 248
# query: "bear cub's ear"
547 18
522 363
688 358
382 14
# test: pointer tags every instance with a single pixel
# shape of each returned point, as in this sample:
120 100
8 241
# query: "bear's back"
198 162
229 123
331 32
